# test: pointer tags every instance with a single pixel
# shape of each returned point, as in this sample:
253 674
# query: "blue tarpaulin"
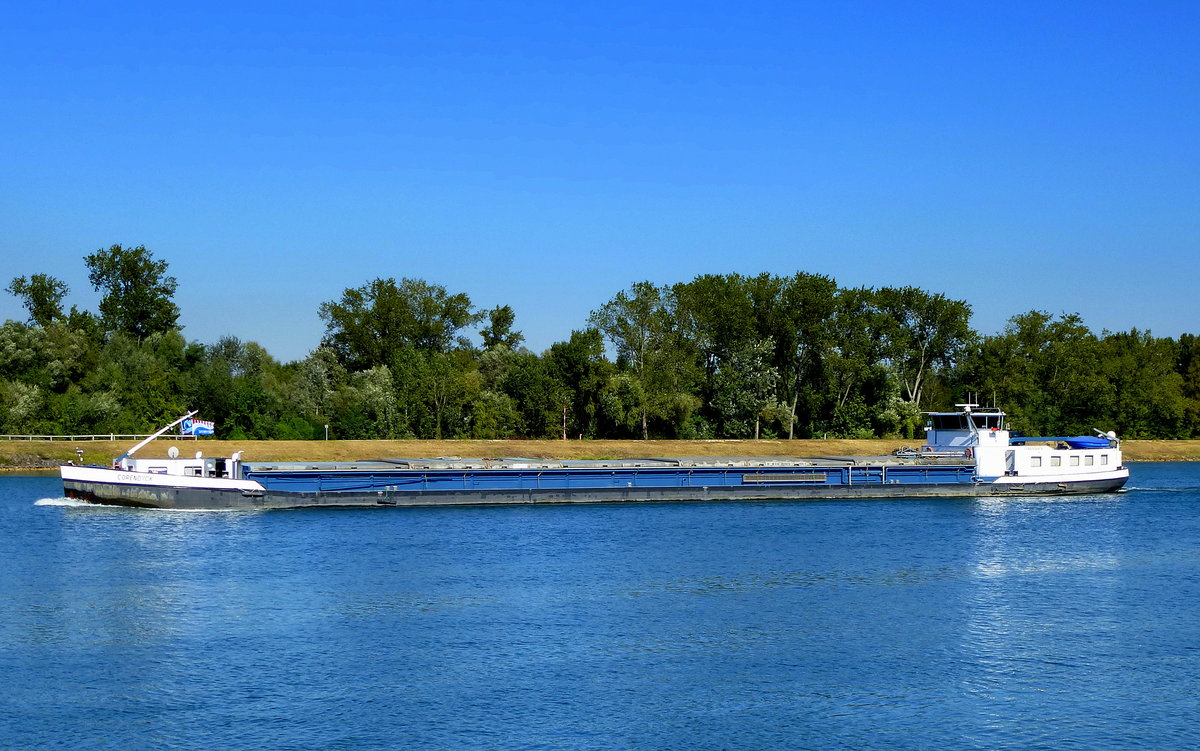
1075 441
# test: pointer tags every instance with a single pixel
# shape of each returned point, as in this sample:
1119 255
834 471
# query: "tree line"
719 356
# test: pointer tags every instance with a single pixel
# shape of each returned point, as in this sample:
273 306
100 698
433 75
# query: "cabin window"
988 421
1056 461
1089 461
948 422
1104 458
1074 461
1035 461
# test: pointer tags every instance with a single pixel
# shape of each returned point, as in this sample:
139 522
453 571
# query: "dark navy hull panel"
574 479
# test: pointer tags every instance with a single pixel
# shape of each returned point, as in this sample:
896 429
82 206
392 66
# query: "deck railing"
92 437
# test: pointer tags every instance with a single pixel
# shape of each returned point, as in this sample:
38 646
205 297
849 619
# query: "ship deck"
455 463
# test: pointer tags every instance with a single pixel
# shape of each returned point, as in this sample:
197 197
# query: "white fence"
98 437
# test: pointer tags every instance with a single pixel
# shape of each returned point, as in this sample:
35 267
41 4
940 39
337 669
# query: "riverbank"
48 454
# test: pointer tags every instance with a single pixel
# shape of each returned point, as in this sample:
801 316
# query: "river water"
892 624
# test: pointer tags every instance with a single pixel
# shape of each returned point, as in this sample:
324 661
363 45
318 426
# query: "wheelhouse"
955 431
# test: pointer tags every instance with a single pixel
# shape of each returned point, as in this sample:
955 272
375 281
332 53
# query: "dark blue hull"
376 484
485 481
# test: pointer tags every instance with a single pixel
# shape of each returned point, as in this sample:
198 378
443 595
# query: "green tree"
365 406
52 357
42 296
499 331
538 396
725 314
745 390
317 376
623 406
1188 367
642 326
494 415
145 377
136 291
858 334
1044 372
796 313
240 387
1146 390
21 407
23 353
715 313
369 323
928 330
580 368
448 381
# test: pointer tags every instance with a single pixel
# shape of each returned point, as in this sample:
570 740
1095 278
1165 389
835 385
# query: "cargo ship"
968 452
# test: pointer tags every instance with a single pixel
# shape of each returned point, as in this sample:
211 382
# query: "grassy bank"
53 453
1161 451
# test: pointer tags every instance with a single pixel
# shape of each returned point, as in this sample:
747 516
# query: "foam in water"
73 503
63 501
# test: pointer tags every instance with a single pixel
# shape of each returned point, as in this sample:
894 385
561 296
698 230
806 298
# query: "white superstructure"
1001 458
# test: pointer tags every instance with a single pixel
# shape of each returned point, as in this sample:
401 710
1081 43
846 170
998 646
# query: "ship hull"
215 495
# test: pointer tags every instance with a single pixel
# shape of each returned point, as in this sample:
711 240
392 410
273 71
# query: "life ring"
968 453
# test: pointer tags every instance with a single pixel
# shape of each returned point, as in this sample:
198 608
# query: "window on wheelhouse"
948 422
987 421
958 421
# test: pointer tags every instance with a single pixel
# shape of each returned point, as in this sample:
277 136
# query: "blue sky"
547 155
